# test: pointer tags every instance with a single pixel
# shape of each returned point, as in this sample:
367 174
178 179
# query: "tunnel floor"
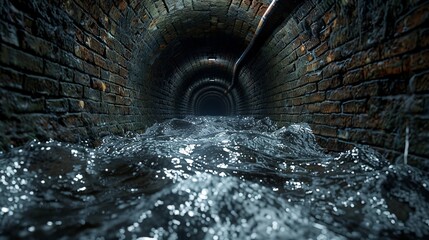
209 178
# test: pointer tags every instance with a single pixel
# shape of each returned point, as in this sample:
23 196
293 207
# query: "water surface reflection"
209 178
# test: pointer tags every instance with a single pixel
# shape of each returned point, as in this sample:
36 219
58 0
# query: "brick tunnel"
356 71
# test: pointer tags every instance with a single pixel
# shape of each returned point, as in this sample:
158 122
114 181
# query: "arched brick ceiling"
174 41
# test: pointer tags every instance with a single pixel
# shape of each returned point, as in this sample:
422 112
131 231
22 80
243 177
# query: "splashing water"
209 178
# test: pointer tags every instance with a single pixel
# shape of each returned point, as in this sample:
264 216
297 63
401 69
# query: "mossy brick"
123 72
114 13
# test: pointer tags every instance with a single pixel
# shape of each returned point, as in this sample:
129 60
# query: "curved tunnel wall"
356 70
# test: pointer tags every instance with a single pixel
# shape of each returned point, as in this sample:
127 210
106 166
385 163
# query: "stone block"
92 94
20 60
329 83
324 130
72 120
91 70
41 86
95 45
100 61
353 77
76 105
109 98
363 58
333 68
355 106
37 46
365 89
383 69
321 49
315 97
114 78
84 53
8 33
123 72
17 103
10 78
99 85
57 105
92 106
340 120
340 94
420 83
414 19
81 78
416 62
71 90
400 45
330 107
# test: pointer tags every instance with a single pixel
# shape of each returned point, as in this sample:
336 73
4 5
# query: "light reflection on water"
209 178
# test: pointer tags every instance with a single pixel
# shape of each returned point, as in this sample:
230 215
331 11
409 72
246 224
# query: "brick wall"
64 72
81 69
357 71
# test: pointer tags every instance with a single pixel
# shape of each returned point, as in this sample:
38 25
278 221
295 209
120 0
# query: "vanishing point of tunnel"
355 72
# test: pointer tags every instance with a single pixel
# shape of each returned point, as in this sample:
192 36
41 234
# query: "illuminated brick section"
357 71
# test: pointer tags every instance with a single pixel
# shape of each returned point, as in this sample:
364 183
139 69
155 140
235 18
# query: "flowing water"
209 178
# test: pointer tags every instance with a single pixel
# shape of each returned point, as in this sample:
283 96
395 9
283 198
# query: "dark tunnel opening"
211 104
